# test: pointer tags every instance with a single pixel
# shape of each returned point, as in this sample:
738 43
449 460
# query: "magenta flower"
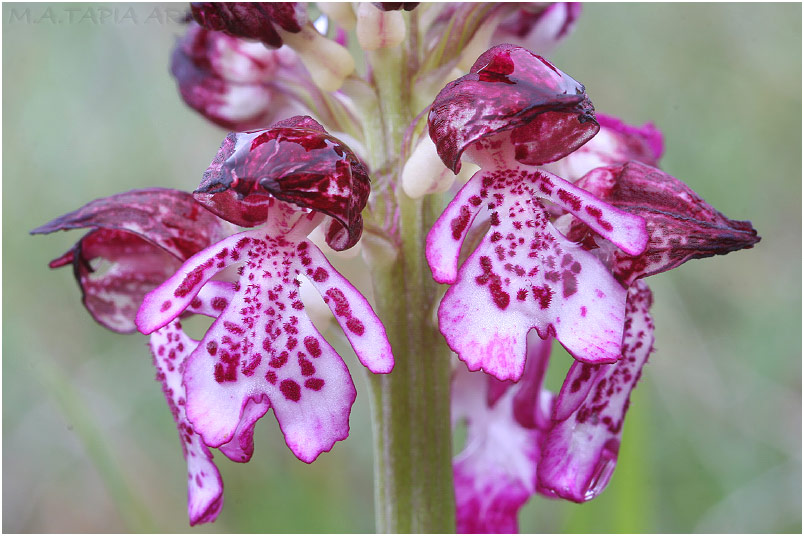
262 351
495 474
514 111
144 236
263 347
580 451
573 452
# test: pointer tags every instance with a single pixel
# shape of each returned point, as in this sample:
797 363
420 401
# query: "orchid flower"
219 387
564 213
577 448
263 346
513 112
143 236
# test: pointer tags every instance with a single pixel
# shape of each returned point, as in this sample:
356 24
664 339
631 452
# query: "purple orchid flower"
495 473
144 236
263 347
219 387
514 111
576 450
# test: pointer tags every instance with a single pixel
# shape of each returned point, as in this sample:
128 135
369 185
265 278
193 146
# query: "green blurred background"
713 439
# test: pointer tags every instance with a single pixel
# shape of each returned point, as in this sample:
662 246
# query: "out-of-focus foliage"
713 440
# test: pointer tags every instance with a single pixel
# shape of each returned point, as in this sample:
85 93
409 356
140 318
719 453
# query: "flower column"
410 406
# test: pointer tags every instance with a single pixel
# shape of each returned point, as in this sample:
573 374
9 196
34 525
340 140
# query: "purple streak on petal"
579 381
295 161
681 225
579 453
445 238
170 347
352 311
512 95
525 274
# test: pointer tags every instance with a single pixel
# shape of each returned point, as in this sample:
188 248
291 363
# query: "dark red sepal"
144 236
681 225
295 161
544 112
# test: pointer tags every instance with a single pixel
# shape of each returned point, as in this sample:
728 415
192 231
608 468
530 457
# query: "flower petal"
514 94
526 274
294 161
170 347
263 348
579 453
241 447
170 219
264 345
681 225
352 311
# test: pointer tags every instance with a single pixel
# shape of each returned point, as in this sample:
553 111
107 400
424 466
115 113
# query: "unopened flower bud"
328 62
379 29
340 12
424 172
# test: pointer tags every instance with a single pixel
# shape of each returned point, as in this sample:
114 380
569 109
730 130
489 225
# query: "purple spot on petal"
291 390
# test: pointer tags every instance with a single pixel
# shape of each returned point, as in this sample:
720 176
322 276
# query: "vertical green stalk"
410 406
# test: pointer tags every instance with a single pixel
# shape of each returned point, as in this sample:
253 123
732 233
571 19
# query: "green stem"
414 490
410 406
